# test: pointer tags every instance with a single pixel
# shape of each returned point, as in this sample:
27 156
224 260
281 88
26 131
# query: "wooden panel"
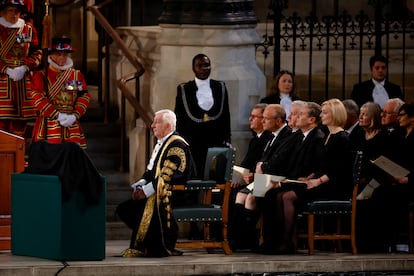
12 149
7 162
5 237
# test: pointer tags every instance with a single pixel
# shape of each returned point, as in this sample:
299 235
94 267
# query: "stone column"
224 31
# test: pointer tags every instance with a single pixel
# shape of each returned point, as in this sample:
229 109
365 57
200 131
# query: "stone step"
117 195
117 231
104 146
94 129
106 162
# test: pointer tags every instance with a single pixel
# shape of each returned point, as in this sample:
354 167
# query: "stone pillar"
224 31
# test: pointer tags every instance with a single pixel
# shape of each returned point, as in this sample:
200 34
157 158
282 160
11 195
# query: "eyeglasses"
388 113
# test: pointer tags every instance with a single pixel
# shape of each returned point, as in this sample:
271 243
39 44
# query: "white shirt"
148 188
204 94
351 128
286 102
379 94
305 134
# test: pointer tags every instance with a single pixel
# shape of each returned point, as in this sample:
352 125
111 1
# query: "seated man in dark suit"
297 158
149 212
389 114
378 89
355 131
256 145
246 213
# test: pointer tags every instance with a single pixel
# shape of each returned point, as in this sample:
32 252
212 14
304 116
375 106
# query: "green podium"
45 226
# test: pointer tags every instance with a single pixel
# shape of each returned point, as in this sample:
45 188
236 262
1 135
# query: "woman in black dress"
282 91
390 201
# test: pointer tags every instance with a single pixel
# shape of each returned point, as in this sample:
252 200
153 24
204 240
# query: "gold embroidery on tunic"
179 152
146 219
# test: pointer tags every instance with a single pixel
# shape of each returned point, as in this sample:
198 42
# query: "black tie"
269 143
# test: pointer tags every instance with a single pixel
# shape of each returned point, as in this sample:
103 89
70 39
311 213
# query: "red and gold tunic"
64 92
18 46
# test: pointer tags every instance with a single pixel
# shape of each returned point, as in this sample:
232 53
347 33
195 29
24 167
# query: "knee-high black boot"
236 223
251 237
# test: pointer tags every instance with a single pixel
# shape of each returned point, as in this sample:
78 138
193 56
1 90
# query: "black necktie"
269 143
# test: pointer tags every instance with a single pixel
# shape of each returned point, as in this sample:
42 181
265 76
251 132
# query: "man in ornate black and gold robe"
149 212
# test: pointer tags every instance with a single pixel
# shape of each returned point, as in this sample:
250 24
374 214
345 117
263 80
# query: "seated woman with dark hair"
390 200
282 91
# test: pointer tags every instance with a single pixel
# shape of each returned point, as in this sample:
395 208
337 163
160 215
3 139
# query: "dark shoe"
176 252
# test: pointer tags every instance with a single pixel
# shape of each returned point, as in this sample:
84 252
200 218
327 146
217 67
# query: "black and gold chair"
334 208
217 180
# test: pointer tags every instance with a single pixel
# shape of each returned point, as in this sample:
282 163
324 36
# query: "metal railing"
341 43
144 114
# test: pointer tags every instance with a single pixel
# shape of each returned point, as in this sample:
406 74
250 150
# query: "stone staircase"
103 142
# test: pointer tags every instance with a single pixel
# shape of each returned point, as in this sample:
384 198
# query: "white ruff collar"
69 64
20 23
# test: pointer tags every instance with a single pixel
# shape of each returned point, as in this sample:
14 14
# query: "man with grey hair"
149 212
294 114
389 115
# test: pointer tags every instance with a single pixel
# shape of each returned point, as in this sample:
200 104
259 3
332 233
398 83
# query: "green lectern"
45 226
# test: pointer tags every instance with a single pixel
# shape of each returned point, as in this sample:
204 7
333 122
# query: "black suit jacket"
357 136
283 135
305 156
296 157
362 92
255 150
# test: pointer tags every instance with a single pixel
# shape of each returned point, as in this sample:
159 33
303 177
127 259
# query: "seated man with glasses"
389 115
246 213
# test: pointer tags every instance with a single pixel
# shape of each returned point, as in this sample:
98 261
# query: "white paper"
238 173
250 186
390 167
262 183
366 193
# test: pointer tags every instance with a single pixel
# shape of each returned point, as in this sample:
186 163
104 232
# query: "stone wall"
166 53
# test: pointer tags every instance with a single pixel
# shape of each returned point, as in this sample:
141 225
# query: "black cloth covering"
71 164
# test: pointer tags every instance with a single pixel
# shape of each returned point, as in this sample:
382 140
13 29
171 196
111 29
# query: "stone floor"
199 262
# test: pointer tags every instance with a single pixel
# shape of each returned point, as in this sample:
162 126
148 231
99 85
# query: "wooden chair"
217 179
411 227
331 208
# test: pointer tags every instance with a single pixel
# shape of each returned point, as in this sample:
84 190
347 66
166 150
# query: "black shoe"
176 252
